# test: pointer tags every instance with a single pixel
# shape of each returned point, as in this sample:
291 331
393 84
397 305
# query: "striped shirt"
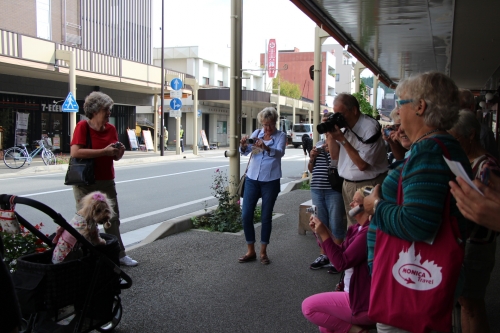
319 179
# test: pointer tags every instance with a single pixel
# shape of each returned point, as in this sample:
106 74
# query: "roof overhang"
396 39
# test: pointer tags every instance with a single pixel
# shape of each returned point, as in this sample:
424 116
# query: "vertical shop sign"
21 128
271 58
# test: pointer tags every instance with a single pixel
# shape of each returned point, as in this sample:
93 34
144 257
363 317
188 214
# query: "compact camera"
387 131
332 120
252 140
116 145
367 190
313 210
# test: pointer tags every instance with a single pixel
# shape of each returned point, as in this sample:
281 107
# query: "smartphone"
387 131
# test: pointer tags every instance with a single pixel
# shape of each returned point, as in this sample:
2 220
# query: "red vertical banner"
271 58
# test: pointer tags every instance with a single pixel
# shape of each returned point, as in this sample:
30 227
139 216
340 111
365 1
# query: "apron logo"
411 273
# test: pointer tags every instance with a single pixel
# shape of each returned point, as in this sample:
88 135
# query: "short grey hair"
466 125
96 101
268 113
394 115
348 101
440 94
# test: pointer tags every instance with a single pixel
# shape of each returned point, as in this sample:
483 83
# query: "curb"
183 223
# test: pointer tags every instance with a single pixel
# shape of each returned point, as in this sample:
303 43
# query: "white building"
344 69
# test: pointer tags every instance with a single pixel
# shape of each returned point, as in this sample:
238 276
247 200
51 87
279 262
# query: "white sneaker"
127 261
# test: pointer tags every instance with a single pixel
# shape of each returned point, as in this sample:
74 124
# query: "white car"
298 130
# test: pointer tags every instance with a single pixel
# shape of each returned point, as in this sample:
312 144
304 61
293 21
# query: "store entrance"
51 129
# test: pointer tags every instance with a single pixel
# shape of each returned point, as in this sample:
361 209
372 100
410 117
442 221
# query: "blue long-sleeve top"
266 166
425 187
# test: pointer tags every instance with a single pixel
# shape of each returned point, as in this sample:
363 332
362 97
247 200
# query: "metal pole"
235 94
162 146
317 82
279 96
195 120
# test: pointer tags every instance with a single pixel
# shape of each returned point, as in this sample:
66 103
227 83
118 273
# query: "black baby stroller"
73 296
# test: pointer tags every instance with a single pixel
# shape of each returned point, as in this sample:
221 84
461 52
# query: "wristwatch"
343 142
375 203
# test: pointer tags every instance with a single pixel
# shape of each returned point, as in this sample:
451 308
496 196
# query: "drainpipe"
235 94
69 57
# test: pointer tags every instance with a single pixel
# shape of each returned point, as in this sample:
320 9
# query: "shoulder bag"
334 178
8 219
413 283
241 185
81 170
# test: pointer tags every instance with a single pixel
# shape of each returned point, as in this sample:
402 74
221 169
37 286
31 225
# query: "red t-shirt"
103 166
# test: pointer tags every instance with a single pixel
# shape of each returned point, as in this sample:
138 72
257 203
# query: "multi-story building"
213 98
112 46
298 65
344 74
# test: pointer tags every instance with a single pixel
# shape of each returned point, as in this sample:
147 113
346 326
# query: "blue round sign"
176 84
175 104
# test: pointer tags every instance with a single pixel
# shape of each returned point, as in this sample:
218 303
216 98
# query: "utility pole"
162 132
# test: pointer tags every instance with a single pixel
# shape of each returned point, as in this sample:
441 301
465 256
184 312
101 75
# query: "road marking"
159 211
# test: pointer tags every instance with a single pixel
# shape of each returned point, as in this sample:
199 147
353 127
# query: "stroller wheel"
117 316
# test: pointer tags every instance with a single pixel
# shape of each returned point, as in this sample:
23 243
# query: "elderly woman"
105 149
481 244
262 181
390 134
345 310
428 107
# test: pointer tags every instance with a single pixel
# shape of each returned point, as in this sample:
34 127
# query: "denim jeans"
331 210
254 190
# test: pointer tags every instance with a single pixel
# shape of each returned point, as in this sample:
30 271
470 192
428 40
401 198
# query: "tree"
287 88
364 106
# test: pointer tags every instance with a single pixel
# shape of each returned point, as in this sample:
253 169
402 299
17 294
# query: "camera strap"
371 139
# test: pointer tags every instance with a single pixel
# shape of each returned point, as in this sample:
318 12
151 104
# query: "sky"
206 23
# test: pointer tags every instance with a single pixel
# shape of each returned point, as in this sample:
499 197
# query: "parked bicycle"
16 157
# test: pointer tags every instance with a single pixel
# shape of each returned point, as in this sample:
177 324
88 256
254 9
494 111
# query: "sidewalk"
192 281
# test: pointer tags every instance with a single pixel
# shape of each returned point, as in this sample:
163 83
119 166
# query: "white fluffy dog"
96 209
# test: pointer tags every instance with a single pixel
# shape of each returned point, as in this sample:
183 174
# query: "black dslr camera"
329 125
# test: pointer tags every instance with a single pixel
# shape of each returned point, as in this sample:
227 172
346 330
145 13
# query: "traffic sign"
175 113
175 94
199 113
176 84
175 104
70 104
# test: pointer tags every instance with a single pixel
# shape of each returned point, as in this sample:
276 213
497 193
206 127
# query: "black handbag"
241 186
81 170
335 180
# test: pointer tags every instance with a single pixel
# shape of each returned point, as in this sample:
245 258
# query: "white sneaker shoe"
127 261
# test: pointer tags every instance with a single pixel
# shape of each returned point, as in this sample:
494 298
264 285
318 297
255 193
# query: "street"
149 193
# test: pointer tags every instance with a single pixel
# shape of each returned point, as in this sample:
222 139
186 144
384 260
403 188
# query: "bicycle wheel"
15 157
49 158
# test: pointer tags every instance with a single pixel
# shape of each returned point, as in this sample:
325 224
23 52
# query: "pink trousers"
332 312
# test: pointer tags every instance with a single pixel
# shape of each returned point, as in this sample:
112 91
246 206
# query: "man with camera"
361 159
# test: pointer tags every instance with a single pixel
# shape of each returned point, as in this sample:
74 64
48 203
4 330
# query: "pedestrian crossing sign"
70 104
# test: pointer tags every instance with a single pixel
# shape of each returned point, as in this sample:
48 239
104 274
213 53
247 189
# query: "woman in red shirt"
105 149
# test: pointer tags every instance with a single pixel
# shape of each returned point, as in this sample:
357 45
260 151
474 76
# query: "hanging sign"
271 58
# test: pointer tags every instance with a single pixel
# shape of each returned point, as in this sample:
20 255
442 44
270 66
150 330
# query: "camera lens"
251 141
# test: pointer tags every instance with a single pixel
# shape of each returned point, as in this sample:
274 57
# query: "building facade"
344 75
34 79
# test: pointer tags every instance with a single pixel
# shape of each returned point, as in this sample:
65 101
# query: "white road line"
133 218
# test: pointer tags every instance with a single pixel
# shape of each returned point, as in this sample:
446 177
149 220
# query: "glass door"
52 129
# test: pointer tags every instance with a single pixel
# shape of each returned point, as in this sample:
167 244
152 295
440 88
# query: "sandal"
247 258
264 260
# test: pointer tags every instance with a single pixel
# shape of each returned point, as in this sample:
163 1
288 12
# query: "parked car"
298 130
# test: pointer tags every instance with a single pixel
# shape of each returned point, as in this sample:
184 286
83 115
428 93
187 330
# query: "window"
337 77
206 81
220 83
43 26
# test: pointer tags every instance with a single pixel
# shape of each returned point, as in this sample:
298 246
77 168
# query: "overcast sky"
206 23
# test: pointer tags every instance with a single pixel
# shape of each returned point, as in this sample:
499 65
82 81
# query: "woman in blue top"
262 181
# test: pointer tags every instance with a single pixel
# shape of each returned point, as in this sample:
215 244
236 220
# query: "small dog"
96 209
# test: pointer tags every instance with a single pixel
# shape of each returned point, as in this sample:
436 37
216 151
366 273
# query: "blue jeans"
254 190
331 210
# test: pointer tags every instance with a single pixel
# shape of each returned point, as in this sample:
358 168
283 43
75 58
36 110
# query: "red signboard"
271 58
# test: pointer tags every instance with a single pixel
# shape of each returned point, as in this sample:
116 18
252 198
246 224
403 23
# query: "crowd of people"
417 212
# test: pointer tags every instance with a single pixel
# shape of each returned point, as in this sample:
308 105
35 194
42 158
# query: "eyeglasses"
268 125
401 102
